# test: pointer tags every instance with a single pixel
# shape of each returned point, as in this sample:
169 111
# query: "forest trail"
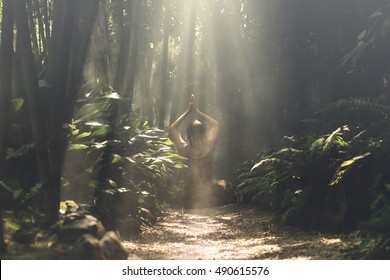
234 232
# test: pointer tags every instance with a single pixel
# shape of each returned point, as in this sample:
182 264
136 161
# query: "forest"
90 88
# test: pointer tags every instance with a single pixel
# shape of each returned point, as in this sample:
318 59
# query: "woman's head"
196 133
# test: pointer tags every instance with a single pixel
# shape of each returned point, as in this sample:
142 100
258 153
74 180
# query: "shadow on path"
234 232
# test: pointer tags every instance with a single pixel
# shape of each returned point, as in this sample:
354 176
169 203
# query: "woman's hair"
196 133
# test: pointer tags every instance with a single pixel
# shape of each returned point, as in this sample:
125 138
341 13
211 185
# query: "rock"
76 225
112 247
87 247
86 238
26 234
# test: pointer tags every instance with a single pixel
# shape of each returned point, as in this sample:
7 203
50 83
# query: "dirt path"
234 232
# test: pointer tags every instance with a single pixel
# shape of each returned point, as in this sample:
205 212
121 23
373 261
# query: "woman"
198 147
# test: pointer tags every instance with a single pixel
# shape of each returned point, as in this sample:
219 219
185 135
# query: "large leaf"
82 135
95 123
112 95
17 103
77 147
345 167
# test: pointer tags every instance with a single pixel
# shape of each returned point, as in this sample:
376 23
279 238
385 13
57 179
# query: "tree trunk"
100 55
34 102
164 76
67 57
185 77
33 33
65 14
81 41
133 55
69 46
41 30
120 83
145 80
46 20
6 57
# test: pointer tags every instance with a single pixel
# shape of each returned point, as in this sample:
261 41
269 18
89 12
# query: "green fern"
329 141
20 152
345 167
353 111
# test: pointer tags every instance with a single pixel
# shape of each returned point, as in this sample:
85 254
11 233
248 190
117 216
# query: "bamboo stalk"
6 57
41 30
79 52
133 59
46 20
164 74
83 27
65 16
33 33
124 30
34 101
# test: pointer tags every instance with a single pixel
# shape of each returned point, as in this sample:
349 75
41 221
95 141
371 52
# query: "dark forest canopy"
89 87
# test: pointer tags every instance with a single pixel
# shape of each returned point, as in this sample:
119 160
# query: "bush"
325 180
127 164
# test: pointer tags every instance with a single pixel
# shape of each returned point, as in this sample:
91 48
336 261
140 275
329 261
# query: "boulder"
76 224
87 247
112 247
87 239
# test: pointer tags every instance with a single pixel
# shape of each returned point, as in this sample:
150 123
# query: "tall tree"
164 71
34 100
72 28
6 58
124 19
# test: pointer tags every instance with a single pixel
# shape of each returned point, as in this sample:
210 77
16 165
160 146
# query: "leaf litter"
235 232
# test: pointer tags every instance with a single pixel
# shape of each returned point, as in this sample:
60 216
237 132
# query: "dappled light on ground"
234 232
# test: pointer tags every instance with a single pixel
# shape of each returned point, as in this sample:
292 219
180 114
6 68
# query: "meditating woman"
198 147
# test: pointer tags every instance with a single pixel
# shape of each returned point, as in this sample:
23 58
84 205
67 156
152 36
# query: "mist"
95 96
259 67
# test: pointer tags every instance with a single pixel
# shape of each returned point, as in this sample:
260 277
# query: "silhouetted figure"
198 147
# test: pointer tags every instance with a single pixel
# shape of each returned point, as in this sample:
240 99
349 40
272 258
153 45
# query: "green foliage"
127 163
20 152
380 219
326 180
370 44
17 103
21 174
378 225
353 111
365 62
345 167
273 174
13 196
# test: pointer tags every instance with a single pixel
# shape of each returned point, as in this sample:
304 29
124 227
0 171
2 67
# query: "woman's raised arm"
174 133
214 127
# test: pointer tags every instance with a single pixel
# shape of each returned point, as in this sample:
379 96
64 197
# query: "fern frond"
264 164
345 167
335 138
22 151
354 111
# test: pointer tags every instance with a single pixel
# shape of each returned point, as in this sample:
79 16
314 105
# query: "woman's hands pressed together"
192 106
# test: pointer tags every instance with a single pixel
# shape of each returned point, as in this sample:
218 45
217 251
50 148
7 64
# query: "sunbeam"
117 113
